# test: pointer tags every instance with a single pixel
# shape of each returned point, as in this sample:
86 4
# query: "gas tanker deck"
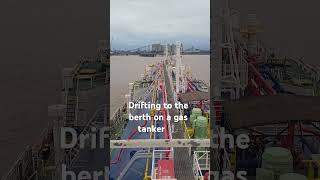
151 148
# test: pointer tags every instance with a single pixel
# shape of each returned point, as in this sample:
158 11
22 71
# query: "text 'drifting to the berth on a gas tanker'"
156 112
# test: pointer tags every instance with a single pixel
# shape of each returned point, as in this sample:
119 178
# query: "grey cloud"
132 19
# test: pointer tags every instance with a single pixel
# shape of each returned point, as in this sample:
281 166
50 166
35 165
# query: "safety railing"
23 167
141 154
201 163
72 155
118 119
196 169
159 155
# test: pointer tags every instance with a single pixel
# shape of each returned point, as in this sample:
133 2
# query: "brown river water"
126 69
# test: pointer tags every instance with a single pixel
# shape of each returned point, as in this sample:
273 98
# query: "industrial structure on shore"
153 50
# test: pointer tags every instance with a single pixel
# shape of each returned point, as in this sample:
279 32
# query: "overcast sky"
136 23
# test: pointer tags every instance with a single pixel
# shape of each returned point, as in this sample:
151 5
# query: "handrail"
71 161
158 155
138 155
20 157
118 109
197 168
205 156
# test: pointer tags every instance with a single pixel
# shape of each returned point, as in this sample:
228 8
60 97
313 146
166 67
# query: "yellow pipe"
310 168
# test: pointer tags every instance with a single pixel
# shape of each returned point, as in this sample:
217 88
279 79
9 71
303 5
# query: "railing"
196 168
142 154
73 153
201 162
118 119
159 155
44 169
23 167
32 165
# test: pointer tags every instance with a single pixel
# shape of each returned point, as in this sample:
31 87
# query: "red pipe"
164 111
311 131
190 85
258 79
290 137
